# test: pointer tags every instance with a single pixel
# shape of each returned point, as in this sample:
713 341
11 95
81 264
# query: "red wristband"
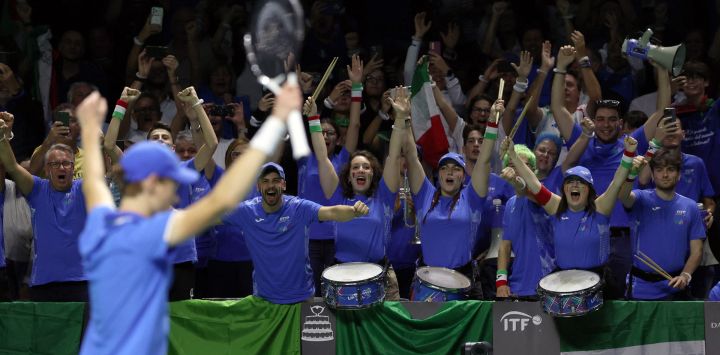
499 283
121 103
543 196
315 117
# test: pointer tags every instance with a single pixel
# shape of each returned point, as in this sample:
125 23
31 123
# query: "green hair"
522 151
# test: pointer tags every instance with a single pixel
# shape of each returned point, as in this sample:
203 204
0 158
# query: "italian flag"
632 328
426 119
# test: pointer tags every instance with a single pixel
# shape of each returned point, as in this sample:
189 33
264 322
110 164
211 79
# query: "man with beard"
668 228
58 218
275 230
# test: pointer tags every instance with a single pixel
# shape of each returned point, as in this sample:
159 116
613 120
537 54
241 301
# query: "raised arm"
91 113
481 172
328 176
582 55
401 113
127 98
421 28
626 196
241 176
415 172
353 131
197 116
22 177
37 161
448 112
138 43
343 213
606 202
563 117
533 184
372 129
663 100
535 114
484 80
497 10
578 148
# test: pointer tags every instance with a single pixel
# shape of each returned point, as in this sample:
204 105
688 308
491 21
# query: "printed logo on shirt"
258 219
655 208
283 224
583 224
284 219
564 218
680 217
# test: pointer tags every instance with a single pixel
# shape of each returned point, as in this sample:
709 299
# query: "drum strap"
649 276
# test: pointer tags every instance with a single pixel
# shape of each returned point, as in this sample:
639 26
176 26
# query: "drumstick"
520 118
324 78
659 271
646 257
500 93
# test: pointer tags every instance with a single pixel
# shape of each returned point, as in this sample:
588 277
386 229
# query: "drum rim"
591 289
440 288
379 277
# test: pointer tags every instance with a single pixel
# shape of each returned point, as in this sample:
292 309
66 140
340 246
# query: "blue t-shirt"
603 159
205 243
694 182
129 267
448 237
554 180
702 138
57 218
401 253
309 188
497 189
715 293
186 251
231 244
582 239
365 239
663 231
528 228
278 244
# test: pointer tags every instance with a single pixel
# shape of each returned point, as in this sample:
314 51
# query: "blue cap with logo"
152 158
272 167
452 157
581 172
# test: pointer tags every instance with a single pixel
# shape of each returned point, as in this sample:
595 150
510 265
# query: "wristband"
522 182
592 134
140 77
584 62
268 136
491 130
543 196
541 71
688 275
120 108
632 175
558 71
482 78
520 87
197 103
356 92
138 42
501 278
627 158
653 147
329 103
501 272
314 124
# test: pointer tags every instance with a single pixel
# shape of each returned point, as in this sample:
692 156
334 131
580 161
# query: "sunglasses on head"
607 103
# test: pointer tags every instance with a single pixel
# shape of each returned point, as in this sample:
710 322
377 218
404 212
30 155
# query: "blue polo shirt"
582 239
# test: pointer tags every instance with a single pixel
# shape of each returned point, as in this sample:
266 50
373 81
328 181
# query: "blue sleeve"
39 185
219 172
639 202
706 189
639 135
423 198
697 227
190 164
308 210
474 200
152 241
386 196
574 135
337 197
508 223
235 218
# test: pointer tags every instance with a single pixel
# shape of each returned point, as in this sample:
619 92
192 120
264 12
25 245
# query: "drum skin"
353 285
570 293
426 288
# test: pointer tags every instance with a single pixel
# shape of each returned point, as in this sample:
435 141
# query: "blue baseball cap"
272 167
455 157
152 158
581 172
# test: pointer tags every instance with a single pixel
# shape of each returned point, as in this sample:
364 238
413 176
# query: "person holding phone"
64 130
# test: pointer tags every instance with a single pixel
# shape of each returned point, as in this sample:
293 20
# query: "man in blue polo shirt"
276 233
668 228
58 211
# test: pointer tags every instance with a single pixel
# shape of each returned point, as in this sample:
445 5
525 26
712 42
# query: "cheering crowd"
510 147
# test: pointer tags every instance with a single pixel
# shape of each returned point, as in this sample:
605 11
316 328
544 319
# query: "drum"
353 285
438 284
570 293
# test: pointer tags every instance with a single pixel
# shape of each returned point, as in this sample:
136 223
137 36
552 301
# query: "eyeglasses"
56 164
607 103
328 133
481 110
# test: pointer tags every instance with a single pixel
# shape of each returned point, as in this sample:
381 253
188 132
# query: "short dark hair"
666 157
160 125
472 127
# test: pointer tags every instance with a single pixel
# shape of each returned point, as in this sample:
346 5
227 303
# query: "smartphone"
670 112
156 16
63 117
157 52
435 47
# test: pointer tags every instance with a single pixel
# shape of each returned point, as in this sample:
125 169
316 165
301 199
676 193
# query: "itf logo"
515 321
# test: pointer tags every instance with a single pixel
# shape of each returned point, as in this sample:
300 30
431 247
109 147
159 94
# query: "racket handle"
298 139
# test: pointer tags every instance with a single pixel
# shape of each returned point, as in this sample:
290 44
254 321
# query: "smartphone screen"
157 52
435 47
63 117
670 112
156 16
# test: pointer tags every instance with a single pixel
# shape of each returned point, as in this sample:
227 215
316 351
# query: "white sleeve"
410 60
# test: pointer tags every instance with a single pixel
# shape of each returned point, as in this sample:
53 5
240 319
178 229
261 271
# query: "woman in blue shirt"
582 223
